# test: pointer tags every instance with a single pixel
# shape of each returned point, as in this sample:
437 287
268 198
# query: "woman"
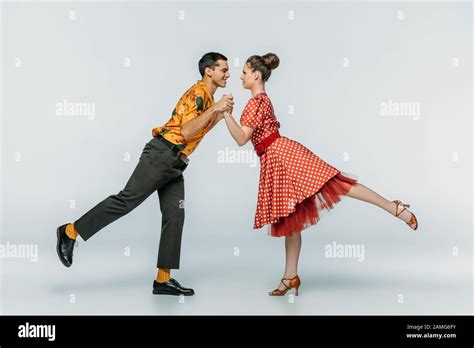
295 185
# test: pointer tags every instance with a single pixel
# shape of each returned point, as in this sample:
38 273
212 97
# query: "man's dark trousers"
159 169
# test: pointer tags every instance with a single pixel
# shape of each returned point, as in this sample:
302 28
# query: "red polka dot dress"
295 184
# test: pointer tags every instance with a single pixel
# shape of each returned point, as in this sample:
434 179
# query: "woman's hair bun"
271 60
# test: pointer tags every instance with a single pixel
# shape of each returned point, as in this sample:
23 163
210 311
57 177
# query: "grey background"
336 111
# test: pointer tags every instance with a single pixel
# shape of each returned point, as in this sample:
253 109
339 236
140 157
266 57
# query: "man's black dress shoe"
64 246
171 287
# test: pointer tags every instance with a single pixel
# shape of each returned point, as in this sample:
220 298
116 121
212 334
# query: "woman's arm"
241 134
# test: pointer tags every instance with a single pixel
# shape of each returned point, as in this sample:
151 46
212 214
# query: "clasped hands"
224 106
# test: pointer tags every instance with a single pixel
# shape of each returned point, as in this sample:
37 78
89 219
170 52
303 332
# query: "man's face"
220 73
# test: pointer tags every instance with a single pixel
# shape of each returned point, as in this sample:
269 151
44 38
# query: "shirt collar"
203 84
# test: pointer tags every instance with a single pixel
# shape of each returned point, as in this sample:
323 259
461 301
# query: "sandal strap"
412 222
287 287
396 208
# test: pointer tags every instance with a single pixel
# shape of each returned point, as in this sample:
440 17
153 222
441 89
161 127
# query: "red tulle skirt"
308 211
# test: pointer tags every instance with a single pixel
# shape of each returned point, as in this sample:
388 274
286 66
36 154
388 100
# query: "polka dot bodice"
258 113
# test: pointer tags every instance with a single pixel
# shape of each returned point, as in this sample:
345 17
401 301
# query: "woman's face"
248 77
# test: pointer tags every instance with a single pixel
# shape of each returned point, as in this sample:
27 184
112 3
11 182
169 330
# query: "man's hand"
225 104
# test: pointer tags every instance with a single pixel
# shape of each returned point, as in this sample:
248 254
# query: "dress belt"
262 146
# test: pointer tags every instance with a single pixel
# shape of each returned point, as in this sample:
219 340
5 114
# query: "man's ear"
208 71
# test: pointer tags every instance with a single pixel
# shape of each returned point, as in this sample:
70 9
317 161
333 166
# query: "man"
160 168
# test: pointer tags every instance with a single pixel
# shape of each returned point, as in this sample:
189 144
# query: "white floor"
392 279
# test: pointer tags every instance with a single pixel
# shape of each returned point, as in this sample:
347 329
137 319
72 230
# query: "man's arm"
194 126
197 123
220 116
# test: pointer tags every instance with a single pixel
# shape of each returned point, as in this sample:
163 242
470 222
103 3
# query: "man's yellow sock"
163 275
71 231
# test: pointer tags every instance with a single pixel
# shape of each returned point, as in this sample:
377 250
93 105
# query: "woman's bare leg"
292 250
363 193
358 191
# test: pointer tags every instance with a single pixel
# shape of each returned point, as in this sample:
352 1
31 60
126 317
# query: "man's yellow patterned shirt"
193 103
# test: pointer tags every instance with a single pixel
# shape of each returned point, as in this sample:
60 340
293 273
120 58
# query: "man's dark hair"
209 60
